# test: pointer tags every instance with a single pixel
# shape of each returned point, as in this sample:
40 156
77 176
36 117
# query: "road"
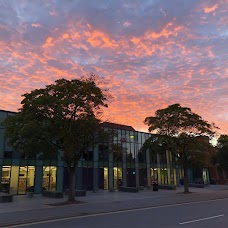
202 214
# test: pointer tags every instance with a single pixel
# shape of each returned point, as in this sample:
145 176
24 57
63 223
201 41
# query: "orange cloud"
48 42
97 38
65 36
166 32
210 9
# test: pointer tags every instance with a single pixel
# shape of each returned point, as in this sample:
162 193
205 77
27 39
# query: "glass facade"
110 164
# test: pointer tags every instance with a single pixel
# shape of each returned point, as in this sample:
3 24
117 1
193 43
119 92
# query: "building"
100 168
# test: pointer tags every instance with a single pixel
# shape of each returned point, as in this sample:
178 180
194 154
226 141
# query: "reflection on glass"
117 177
5 182
26 179
49 178
164 176
153 175
105 178
22 180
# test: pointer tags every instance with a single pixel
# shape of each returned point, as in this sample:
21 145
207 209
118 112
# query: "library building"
98 169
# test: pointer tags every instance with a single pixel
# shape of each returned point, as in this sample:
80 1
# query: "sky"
151 53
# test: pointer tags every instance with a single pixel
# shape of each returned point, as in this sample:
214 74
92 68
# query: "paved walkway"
24 209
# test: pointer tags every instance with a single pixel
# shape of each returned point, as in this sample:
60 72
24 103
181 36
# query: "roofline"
1 110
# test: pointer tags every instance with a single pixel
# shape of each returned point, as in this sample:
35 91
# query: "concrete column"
136 167
59 184
177 174
79 175
124 168
0 172
168 166
110 173
38 178
2 143
159 169
148 169
95 169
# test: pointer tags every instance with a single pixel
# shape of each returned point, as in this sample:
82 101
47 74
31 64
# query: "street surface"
201 214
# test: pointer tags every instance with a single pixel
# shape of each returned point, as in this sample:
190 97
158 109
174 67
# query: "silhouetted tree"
63 118
185 134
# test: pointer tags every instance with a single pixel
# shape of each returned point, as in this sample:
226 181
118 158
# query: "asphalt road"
203 214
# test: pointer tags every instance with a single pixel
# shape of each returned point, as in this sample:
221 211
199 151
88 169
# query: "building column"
136 167
0 173
38 177
59 179
124 166
159 169
110 173
79 175
177 173
95 169
148 168
168 166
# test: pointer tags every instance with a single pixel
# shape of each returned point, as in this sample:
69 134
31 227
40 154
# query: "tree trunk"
186 190
72 174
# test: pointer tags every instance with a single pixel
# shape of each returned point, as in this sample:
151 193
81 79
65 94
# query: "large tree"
222 156
60 121
185 134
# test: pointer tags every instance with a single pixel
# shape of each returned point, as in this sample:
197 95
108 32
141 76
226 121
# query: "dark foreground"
202 214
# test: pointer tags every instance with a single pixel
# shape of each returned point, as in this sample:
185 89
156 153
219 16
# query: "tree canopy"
63 117
222 156
183 133
175 120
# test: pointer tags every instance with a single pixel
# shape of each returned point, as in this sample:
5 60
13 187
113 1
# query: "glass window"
117 172
8 154
164 176
133 149
129 154
127 136
140 137
105 178
119 135
49 178
5 182
22 180
117 152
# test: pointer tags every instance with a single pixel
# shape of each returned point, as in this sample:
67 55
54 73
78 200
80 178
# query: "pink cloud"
210 9
147 66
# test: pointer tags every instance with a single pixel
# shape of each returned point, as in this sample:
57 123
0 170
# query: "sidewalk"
24 209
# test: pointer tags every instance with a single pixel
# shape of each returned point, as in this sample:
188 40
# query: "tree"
185 134
63 119
222 156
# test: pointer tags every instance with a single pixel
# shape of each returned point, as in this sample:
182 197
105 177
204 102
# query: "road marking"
197 220
49 220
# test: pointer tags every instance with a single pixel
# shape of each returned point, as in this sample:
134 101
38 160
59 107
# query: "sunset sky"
152 53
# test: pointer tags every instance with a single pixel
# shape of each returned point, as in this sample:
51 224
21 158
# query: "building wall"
104 167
